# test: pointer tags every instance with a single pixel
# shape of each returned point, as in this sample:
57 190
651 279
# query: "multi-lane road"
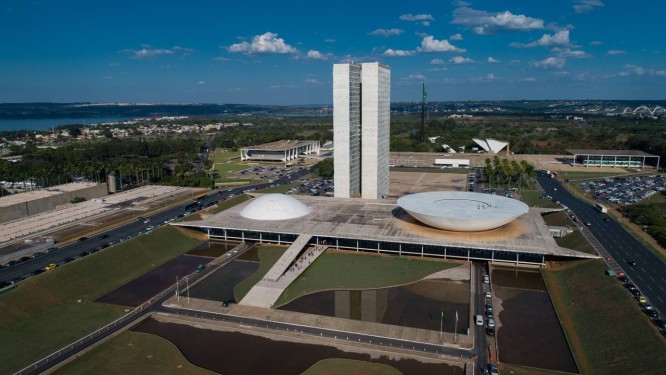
99 239
649 273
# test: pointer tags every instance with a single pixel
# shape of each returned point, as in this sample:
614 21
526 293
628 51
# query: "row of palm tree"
503 172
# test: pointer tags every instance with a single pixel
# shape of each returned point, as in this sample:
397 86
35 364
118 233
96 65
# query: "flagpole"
441 322
455 330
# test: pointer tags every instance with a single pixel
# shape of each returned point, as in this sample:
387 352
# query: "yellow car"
50 267
641 299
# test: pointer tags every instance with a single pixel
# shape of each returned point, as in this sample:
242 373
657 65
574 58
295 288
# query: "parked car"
200 268
492 369
631 262
490 331
81 239
490 322
488 295
486 279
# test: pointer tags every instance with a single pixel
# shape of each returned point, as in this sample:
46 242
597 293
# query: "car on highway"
588 223
37 254
641 299
631 262
606 219
10 263
4 284
24 259
661 323
51 249
478 319
67 260
83 254
81 239
146 221
16 279
105 235
50 267
623 279
37 272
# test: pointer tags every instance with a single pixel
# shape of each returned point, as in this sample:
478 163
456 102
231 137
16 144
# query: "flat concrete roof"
384 220
30 195
576 151
279 145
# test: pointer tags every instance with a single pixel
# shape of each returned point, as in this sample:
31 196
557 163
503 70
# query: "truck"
601 208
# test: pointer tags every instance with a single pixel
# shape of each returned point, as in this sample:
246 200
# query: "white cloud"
313 81
201 83
595 43
576 54
387 32
221 59
492 60
559 39
460 60
584 6
316 55
616 52
416 17
483 22
416 77
398 53
529 79
108 77
430 44
146 52
267 43
438 69
490 76
550 63
456 37
437 61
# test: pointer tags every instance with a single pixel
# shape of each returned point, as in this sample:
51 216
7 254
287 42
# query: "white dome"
462 211
275 207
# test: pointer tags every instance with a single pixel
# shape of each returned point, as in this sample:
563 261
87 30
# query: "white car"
491 322
486 279
488 295
478 319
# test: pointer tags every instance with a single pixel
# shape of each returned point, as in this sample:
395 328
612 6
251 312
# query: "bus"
601 208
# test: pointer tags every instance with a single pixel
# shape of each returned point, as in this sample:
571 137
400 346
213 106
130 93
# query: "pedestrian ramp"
268 289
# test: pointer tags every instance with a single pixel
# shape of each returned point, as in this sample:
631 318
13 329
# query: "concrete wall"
37 206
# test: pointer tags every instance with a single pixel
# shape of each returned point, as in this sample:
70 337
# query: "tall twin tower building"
361 130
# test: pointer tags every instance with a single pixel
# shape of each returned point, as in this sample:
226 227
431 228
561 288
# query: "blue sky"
281 52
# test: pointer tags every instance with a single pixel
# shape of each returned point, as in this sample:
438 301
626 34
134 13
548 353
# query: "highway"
649 273
124 232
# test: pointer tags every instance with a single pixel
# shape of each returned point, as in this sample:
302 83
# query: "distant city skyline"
282 52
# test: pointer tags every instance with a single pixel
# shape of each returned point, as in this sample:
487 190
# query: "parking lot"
624 190
265 173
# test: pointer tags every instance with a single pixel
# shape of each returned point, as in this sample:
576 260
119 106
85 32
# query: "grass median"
56 308
344 270
607 331
133 353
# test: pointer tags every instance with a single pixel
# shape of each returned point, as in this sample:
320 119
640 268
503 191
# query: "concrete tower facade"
361 127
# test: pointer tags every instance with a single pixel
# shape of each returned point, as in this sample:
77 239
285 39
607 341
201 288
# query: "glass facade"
388 247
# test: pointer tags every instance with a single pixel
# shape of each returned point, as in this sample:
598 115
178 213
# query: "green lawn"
227 162
133 353
533 199
335 270
575 175
268 255
338 366
56 308
576 241
607 331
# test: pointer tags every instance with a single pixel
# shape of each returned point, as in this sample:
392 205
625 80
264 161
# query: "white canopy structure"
491 145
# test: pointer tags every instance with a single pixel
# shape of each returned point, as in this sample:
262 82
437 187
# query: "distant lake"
47 123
